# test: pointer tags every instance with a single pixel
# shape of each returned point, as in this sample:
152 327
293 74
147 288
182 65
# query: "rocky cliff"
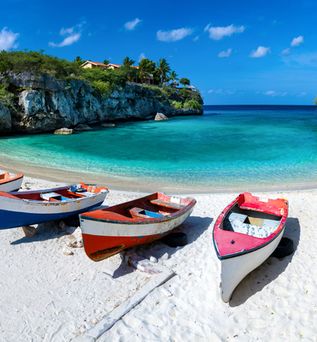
43 103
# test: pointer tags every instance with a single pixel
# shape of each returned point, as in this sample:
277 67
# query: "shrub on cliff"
177 104
37 63
6 97
104 88
192 104
101 79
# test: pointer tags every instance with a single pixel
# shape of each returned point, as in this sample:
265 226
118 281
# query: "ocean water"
228 145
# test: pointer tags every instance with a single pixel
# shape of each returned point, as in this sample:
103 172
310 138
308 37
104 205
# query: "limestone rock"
160 117
82 128
46 104
64 131
5 119
108 125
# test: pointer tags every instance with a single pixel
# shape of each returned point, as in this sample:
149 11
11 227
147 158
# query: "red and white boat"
109 231
10 181
245 234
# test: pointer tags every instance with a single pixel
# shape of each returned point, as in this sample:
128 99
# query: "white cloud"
261 51
220 91
131 25
196 39
8 39
304 59
270 93
274 93
72 35
173 35
286 52
219 32
297 41
142 56
225 53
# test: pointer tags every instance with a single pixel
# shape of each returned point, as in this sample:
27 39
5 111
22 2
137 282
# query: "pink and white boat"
245 234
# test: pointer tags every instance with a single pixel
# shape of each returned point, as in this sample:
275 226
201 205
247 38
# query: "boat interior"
5 176
48 196
251 222
151 207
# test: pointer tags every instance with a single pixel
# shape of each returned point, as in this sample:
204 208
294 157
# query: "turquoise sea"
228 145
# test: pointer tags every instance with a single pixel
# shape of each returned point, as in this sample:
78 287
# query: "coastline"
60 296
133 184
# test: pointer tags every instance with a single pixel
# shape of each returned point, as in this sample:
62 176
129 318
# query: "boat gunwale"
46 203
140 221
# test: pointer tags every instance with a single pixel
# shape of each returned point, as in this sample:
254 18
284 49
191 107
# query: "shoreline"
133 184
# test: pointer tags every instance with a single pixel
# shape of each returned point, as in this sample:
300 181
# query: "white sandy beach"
47 295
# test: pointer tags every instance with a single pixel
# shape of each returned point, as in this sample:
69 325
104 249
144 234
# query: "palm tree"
163 70
146 69
128 62
173 78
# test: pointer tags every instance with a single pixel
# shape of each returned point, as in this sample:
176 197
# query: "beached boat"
109 231
245 234
31 207
10 181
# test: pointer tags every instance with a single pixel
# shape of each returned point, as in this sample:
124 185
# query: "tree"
184 81
173 78
147 69
106 61
78 60
128 62
163 70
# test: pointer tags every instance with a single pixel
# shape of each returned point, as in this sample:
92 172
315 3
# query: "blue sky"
235 52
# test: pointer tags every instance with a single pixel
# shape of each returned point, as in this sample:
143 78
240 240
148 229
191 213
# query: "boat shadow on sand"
269 270
193 227
46 231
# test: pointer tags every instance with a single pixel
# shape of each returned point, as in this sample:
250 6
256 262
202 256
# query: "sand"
49 295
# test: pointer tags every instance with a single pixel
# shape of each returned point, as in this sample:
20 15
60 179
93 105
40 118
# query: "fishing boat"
245 234
111 230
10 181
31 207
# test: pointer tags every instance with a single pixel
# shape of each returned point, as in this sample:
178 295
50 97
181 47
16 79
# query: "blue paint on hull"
10 219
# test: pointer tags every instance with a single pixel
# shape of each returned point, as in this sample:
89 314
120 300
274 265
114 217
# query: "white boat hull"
115 229
234 269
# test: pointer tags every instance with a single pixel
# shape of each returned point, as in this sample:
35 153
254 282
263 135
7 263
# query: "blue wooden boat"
31 207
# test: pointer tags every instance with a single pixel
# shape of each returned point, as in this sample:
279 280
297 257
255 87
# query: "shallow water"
225 146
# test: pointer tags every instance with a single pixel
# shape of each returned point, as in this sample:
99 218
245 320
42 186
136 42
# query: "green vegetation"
157 76
184 81
37 63
6 97
177 104
192 104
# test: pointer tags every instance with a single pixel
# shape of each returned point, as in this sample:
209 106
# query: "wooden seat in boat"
53 197
143 213
165 204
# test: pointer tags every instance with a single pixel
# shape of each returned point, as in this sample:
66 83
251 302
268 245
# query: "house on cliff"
112 66
149 79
